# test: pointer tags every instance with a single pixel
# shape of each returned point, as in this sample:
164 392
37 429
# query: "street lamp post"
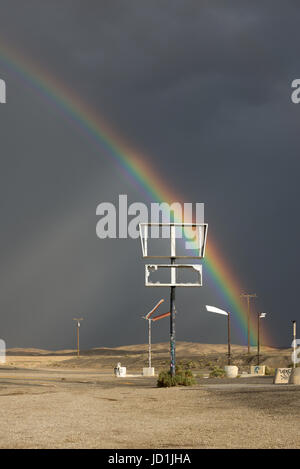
213 309
149 319
259 316
228 335
78 326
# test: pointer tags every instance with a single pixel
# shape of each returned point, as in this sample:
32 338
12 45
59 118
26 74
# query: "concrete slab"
258 370
282 375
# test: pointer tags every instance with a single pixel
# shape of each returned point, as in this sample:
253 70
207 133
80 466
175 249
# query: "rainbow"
133 164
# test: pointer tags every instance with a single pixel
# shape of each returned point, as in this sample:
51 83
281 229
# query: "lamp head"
213 309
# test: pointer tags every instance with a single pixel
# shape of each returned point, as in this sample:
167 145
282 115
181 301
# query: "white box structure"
173 277
149 371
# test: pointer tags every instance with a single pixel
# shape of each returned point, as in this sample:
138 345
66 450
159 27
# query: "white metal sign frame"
173 267
201 237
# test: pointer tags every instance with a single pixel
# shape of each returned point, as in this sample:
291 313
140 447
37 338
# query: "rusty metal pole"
172 331
229 341
172 303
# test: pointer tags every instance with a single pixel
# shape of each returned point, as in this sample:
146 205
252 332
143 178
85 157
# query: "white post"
294 344
146 240
173 252
149 329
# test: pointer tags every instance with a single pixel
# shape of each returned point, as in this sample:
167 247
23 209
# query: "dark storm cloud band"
134 163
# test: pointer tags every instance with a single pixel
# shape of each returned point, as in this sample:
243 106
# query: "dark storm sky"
203 89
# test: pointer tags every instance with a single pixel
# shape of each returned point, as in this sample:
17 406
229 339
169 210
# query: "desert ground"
57 400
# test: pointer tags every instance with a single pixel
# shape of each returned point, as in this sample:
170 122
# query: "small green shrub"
187 365
165 380
187 381
181 378
217 373
191 364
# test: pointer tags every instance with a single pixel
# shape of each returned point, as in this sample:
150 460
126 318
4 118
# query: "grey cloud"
203 89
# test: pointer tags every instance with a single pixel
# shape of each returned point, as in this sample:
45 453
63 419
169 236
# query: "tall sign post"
172 302
198 241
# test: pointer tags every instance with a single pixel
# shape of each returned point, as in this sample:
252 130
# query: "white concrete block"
231 371
120 371
149 371
258 370
282 375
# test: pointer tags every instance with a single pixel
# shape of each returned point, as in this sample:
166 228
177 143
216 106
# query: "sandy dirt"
56 400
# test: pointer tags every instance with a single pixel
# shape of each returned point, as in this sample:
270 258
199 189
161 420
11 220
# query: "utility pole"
294 343
248 296
78 326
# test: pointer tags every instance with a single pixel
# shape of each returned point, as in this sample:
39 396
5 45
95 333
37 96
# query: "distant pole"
248 296
149 330
259 317
229 342
78 326
294 343
258 342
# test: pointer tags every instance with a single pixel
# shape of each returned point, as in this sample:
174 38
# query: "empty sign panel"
173 275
